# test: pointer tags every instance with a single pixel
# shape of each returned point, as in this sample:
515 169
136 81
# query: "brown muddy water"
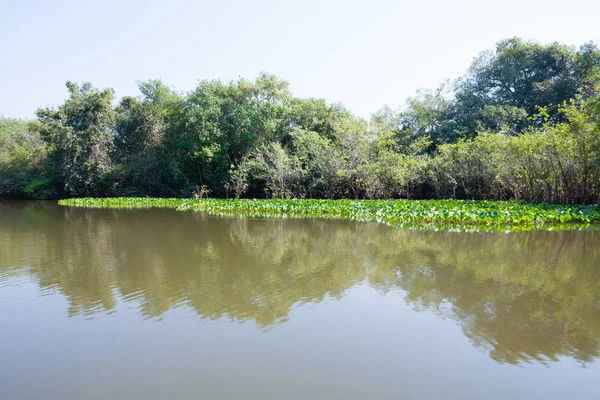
161 304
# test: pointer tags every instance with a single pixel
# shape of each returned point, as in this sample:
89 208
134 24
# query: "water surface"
128 304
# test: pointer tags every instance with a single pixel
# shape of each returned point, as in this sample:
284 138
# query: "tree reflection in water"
524 296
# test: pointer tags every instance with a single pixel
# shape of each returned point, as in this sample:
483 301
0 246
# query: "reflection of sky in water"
365 345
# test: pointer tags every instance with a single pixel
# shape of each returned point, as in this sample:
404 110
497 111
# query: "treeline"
522 123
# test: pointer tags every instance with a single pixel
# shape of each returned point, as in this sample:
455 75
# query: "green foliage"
521 124
40 188
280 172
554 163
221 123
80 137
238 181
420 214
320 161
428 114
504 87
22 158
141 151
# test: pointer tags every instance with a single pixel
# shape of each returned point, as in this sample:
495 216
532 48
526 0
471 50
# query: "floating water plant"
416 214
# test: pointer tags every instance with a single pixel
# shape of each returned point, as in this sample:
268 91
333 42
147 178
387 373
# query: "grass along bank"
416 214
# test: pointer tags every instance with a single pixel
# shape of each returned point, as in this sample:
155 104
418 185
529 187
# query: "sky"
364 54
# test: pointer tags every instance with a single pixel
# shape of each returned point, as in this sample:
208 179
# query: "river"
153 304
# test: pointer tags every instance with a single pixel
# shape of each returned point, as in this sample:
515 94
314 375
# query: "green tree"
357 173
429 115
281 172
522 76
79 134
221 123
320 162
141 124
22 158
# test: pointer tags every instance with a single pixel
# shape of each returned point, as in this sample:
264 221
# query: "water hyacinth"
416 214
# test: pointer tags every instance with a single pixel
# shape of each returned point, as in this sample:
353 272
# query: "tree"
356 172
22 158
521 123
280 171
320 162
141 125
80 138
238 181
522 76
221 123
429 115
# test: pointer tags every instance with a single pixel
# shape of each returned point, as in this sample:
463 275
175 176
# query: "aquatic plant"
416 214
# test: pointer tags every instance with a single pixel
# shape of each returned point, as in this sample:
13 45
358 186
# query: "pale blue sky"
362 53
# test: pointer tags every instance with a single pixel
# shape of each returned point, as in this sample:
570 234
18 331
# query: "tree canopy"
522 123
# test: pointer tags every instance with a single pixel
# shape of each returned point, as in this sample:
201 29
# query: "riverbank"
414 214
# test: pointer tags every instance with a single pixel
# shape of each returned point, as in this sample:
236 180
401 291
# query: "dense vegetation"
521 124
422 214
